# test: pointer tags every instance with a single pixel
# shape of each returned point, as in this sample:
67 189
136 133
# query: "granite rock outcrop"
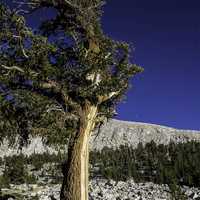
115 133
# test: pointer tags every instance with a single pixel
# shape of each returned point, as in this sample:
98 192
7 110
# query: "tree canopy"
48 74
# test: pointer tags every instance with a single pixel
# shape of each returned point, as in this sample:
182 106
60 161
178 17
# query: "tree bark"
75 183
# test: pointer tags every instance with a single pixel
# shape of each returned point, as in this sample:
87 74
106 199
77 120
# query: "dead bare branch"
12 68
24 3
21 45
24 52
72 5
55 108
21 11
107 97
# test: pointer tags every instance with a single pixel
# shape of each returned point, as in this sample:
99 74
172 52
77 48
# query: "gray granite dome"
116 133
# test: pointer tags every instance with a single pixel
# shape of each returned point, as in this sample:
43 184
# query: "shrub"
16 171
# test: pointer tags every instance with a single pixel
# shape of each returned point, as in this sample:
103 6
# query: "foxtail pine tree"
61 79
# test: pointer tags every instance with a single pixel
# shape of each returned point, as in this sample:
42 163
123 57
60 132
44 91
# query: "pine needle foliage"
47 75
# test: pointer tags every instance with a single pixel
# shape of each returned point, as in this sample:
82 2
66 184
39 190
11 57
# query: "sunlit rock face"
115 133
35 146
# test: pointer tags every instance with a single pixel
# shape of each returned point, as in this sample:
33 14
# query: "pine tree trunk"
75 183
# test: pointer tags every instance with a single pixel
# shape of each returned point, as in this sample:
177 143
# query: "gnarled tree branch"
104 98
12 68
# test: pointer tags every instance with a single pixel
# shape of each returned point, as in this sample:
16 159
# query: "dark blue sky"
166 37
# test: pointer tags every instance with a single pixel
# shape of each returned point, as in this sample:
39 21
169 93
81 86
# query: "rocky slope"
113 134
102 189
116 133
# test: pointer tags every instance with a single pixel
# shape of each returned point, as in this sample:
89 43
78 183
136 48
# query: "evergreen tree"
62 79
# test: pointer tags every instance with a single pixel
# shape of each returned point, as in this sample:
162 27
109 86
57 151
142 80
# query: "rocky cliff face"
116 133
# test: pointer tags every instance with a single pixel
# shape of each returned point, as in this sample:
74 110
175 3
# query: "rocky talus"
102 189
